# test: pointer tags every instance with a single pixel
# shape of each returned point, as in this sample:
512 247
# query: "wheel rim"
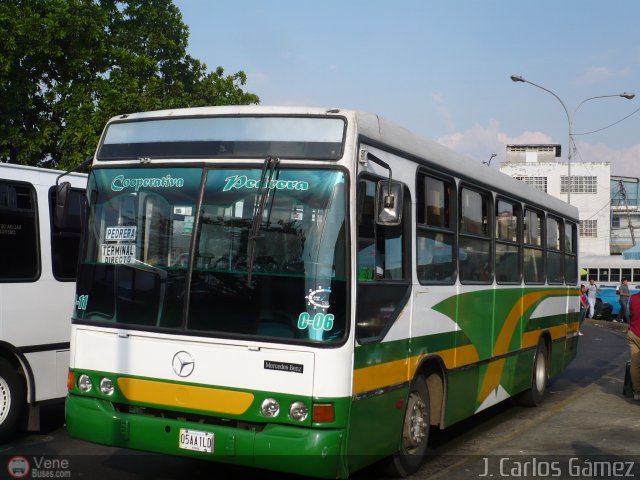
541 372
415 425
5 400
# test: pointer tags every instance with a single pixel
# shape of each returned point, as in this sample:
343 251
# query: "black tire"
415 431
12 400
539 377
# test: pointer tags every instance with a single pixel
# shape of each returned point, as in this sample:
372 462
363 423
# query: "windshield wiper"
270 164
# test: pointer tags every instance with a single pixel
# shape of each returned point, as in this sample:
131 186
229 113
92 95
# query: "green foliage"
67 66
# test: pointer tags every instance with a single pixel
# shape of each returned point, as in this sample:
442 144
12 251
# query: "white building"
538 166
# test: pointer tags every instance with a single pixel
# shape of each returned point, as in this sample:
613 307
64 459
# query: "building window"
589 228
615 221
536 182
580 184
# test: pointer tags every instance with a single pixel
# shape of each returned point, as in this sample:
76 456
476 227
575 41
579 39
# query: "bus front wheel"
415 430
12 400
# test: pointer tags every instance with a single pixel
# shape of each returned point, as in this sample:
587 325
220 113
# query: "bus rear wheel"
415 430
539 378
12 400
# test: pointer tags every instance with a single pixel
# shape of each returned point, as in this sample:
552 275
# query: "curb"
610 324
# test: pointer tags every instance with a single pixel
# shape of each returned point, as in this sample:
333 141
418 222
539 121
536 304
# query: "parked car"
609 295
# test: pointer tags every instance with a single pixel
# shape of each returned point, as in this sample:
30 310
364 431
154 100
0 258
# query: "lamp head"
517 78
627 95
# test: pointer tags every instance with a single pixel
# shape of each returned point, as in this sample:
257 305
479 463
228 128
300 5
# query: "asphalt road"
583 420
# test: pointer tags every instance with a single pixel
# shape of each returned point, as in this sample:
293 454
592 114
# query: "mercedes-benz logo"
183 364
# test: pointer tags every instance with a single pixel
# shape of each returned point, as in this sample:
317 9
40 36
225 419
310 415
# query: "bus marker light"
298 411
84 383
270 407
323 413
71 380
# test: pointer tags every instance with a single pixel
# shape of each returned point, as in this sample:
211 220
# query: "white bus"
609 269
308 290
37 283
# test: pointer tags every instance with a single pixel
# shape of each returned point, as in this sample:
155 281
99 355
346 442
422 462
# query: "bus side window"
18 233
508 219
474 239
383 279
435 231
533 250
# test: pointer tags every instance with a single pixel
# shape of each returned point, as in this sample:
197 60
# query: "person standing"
623 297
592 291
583 307
633 338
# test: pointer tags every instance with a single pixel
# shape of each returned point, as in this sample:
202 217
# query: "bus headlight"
298 411
106 386
84 383
270 407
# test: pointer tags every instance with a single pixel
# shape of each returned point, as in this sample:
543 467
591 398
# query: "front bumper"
301 450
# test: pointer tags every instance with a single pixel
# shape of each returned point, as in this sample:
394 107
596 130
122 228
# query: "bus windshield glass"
224 137
159 253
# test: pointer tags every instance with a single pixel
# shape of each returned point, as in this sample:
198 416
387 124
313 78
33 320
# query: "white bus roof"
39 176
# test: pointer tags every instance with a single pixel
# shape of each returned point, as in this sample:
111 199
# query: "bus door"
381 362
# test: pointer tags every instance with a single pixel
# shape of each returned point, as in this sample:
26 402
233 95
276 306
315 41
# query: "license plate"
196 440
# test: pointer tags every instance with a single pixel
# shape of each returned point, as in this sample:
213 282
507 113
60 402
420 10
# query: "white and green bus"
308 290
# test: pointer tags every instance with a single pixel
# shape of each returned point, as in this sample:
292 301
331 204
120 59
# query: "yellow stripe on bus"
185 396
399 371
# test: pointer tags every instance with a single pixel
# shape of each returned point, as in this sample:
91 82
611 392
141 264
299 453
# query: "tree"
67 66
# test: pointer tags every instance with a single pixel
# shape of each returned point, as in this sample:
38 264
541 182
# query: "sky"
442 68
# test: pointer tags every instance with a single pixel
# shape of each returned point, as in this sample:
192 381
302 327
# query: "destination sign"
114 234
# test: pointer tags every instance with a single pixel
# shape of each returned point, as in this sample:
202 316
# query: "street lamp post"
570 117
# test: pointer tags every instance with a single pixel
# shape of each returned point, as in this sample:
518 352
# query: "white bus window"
570 254
474 244
554 251
603 275
614 275
533 261
507 242
18 233
435 234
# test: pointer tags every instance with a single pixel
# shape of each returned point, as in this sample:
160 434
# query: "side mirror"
62 205
389 203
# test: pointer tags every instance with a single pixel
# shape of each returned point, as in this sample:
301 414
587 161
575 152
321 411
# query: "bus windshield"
160 253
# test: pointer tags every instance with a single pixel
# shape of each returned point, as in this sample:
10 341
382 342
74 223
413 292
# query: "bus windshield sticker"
182 210
242 181
81 302
119 183
320 321
116 234
319 298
